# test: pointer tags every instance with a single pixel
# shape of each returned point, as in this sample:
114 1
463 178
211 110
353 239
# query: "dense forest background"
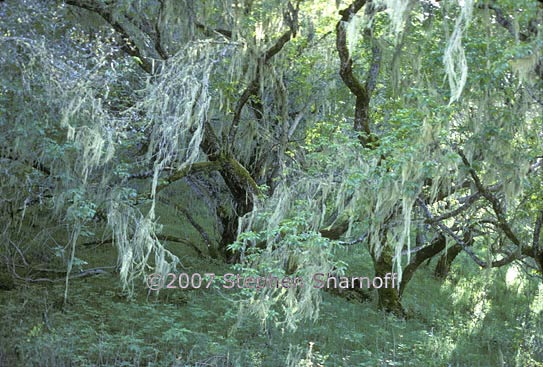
275 138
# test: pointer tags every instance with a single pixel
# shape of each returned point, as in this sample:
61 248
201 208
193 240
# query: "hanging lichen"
353 31
525 67
454 59
398 12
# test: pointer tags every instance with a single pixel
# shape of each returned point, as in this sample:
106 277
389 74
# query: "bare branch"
195 224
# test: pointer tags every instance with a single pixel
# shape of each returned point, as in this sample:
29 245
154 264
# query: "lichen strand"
454 59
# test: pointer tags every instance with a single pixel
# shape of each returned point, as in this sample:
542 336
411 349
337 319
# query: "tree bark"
389 298
437 245
445 261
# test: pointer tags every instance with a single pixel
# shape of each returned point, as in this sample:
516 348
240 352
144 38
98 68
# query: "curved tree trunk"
444 264
428 252
445 261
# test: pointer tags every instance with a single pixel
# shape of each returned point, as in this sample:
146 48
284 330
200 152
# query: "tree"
305 148
415 135
441 143
191 64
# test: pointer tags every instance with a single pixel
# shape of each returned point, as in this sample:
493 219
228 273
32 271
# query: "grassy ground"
465 321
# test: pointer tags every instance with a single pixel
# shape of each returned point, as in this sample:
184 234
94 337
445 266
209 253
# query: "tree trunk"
444 264
445 261
436 246
238 180
389 298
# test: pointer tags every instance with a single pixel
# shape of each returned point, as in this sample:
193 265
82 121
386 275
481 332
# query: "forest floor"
467 320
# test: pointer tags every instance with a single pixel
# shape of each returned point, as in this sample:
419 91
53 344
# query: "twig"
19 251
353 242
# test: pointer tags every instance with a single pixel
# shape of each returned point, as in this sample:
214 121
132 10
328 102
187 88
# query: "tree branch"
208 31
536 241
254 86
427 252
160 237
191 169
374 69
361 92
504 20
496 205
62 276
467 204
9 155
158 34
107 15
442 228
196 226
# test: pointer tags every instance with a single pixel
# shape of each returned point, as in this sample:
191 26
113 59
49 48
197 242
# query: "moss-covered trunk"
389 298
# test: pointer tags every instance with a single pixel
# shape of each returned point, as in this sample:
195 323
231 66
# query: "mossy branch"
191 169
361 91
254 86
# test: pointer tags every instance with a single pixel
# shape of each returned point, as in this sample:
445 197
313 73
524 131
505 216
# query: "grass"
474 318
465 321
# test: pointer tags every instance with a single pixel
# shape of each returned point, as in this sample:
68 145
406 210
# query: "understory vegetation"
400 141
469 320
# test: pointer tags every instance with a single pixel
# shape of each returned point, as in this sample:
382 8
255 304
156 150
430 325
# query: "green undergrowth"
467 320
